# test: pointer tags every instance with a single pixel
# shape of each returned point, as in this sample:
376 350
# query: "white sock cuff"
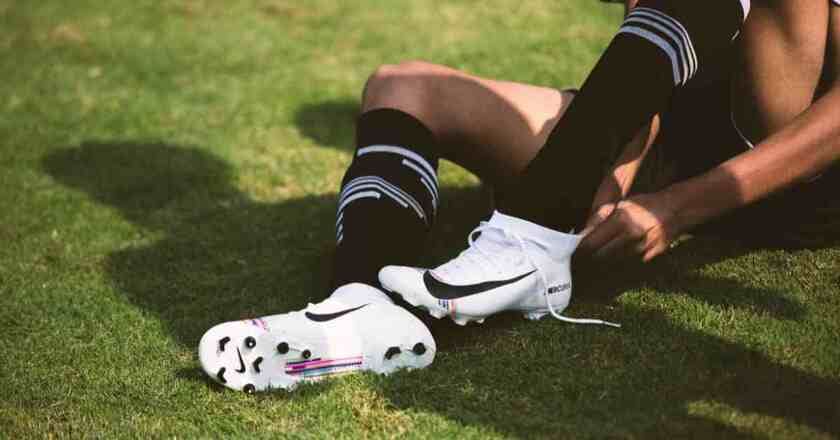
562 244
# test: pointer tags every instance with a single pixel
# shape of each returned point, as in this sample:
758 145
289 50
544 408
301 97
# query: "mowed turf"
166 165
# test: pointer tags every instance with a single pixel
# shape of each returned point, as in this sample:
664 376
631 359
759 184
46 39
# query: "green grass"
169 164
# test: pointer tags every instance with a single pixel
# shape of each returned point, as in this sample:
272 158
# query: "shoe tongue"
492 240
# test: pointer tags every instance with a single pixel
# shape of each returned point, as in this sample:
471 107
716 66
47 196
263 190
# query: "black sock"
662 45
388 198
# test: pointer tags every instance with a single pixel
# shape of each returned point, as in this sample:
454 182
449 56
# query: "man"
732 118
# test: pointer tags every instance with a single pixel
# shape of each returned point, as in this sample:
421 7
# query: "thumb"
599 214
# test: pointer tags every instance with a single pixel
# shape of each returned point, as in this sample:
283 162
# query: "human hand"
617 183
642 226
609 193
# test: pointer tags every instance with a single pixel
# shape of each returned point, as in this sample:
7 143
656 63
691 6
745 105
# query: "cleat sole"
392 351
270 369
419 349
259 366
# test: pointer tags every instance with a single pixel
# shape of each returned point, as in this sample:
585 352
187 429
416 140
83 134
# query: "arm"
645 224
801 150
617 183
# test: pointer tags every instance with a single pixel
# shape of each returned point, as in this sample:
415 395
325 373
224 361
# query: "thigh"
491 127
502 125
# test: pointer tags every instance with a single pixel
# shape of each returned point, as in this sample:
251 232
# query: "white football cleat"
513 265
358 328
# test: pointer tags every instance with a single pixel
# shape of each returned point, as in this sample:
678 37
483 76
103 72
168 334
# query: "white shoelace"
483 226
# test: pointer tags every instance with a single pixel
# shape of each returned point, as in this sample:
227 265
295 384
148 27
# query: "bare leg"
412 114
493 128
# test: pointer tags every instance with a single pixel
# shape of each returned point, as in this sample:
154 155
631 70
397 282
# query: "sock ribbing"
660 46
388 199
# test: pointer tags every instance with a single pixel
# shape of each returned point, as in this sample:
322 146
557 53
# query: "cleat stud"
393 351
257 363
223 342
250 342
221 375
419 349
249 388
306 354
282 348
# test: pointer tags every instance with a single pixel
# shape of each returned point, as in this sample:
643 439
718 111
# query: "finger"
655 243
644 246
654 252
601 235
609 191
585 232
598 215
619 246
641 247
591 225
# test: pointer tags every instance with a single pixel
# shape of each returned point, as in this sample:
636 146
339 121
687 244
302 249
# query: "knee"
405 85
404 72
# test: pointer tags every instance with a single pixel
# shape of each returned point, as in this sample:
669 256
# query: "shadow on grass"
676 274
650 380
340 130
209 254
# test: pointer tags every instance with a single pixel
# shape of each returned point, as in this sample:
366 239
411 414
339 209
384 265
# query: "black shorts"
697 133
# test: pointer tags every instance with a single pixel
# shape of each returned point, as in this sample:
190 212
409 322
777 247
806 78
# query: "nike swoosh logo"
241 362
324 317
442 290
